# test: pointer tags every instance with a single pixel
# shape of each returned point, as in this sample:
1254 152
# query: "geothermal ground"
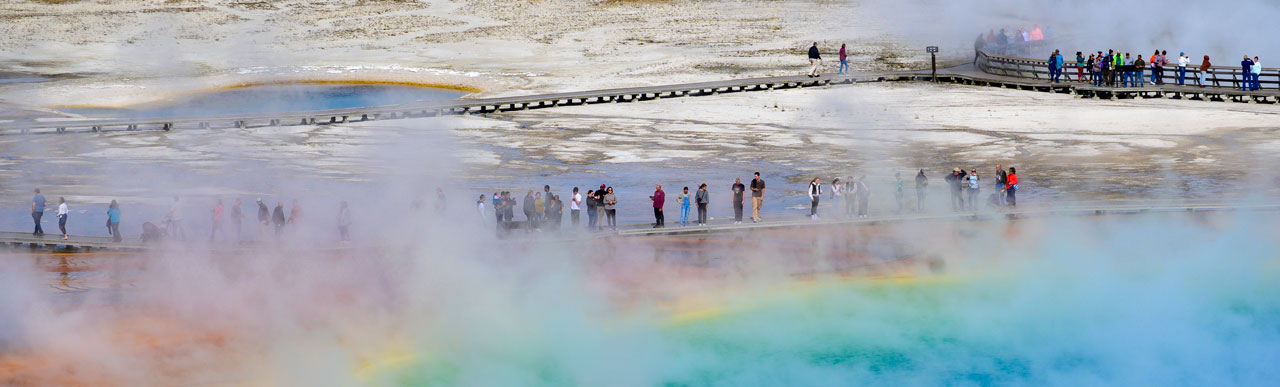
433 298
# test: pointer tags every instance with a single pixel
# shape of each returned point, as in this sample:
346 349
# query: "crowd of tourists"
545 211
1116 69
225 223
849 197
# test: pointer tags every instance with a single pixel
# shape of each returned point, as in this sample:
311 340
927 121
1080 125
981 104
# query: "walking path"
1016 73
49 241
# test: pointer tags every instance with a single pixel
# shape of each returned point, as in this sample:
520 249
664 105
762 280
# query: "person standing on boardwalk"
1256 74
277 218
1154 62
480 205
236 217
497 207
922 183
113 221
1093 74
174 219
844 60
264 218
530 212
611 208
1080 66
863 194
1246 69
600 212
1055 66
897 190
703 198
757 197
659 198
344 220
1139 67
815 193
1204 71
1001 177
591 210
739 191
974 188
837 196
1183 62
295 215
814 60
684 207
539 209
1011 186
575 207
557 213
37 211
547 197
510 215
216 221
1107 74
63 211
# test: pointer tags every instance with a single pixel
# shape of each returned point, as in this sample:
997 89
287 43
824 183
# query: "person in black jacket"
814 60
264 217
277 217
529 210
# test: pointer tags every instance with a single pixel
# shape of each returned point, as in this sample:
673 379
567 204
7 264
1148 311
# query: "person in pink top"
659 198
844 61
217 221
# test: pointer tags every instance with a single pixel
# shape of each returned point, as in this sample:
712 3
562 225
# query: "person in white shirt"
1256 69
62 216
574 208
480 205
837 194
815 192
1183 61
174 218
974 187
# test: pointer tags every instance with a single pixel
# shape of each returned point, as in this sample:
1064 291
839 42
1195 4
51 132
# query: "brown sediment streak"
462 88
468 89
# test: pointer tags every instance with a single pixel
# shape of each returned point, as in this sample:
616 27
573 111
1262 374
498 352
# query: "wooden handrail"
1218 76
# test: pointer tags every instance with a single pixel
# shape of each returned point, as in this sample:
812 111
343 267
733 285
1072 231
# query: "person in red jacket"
659 198
1011 187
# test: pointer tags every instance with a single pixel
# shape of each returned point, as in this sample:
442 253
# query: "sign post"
933 60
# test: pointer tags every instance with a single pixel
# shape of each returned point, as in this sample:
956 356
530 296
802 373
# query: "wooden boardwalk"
50 241
53 241
449 107
1005 72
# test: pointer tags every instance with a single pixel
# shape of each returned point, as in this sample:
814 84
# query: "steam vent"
638 193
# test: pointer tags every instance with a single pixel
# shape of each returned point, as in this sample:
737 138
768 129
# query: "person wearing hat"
1183 61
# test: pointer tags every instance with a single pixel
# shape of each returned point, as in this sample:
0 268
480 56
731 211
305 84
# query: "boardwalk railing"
1216 76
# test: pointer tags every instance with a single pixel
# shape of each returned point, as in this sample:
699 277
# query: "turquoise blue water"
275 98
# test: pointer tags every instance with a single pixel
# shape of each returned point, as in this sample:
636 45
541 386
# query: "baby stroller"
152 233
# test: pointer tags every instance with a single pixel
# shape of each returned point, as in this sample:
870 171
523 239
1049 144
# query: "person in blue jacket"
113 221
1246 67
1055 66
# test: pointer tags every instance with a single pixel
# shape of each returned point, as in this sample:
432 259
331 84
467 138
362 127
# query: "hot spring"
273 98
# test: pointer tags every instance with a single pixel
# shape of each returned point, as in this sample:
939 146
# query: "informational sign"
931 49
